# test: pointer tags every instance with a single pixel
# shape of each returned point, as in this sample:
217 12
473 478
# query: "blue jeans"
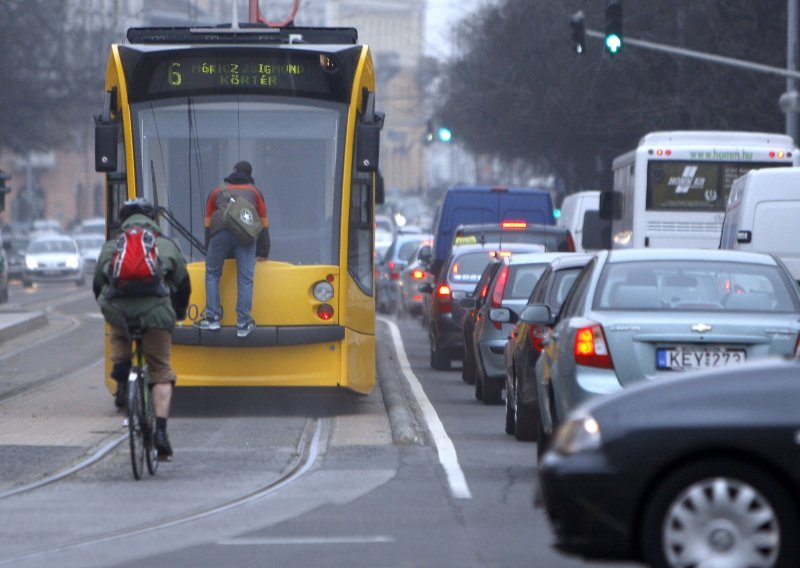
220 247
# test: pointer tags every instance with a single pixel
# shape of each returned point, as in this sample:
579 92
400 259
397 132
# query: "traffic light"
578 25
430 135
443 134
613 26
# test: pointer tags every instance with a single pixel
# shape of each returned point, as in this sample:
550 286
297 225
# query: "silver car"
641 314
509 289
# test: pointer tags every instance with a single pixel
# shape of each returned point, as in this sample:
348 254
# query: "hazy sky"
442 15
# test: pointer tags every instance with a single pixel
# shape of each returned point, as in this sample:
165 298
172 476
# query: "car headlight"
31 263
72 262
580 433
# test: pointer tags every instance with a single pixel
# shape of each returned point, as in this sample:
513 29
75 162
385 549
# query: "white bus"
671 191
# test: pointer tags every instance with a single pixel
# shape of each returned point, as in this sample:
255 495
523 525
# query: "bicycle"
141 415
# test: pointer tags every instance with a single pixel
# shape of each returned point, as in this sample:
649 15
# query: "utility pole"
791 65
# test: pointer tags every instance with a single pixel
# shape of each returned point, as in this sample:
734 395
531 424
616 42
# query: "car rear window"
521 280
695 286
553 241
468 267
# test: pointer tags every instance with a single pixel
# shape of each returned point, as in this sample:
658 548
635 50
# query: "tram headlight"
31 263
323 291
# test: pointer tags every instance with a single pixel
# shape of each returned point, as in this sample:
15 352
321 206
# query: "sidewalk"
14 323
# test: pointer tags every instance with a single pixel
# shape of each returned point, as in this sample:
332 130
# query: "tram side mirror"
368 147
610 205
368 135
105 146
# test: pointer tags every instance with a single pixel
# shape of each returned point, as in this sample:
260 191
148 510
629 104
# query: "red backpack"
136 269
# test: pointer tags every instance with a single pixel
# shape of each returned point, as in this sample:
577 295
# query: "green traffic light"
444 134
557 213
613 43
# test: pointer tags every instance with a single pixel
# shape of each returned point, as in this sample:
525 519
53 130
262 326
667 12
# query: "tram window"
117 194
361 237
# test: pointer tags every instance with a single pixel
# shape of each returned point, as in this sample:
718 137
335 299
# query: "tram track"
306 454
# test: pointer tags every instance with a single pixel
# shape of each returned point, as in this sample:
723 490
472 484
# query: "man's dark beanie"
244 167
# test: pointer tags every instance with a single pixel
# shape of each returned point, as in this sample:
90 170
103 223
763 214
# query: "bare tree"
517 91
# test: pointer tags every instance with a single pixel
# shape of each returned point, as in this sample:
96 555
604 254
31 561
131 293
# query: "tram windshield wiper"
185 233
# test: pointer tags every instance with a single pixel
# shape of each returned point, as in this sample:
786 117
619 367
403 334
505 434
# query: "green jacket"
158 312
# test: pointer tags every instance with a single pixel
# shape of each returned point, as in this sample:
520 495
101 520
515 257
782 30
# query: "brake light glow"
779 154
418 274
591 349
499 253
514 225
325 311
392 274
570 242
662 152
444 299
499 290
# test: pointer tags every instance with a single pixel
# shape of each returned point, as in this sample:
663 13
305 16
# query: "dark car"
14 245
552 238
415 273
461 272
525 343
702 469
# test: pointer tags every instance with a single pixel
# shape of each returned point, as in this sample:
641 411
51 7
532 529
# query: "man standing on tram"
221 243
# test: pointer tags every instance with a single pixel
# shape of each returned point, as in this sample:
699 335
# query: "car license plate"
683 358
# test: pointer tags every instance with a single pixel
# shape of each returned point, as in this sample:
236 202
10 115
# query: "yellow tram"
181 107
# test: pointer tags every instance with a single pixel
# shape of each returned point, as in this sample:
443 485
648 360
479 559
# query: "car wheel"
542 437
491 389
525 428
468 368
718 512
439 360
510 423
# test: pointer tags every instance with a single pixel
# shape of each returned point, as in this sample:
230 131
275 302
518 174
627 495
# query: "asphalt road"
273 477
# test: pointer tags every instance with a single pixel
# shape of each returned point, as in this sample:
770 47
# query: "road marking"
444 445
305 540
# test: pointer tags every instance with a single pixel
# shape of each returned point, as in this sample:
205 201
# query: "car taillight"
570 242
499 290
536 338
418 274
444 298
393 275
591 348
514 224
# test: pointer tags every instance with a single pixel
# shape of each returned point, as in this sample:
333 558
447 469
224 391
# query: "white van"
763 213
580 214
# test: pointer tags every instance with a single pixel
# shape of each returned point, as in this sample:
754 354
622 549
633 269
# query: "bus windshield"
678 185
185 147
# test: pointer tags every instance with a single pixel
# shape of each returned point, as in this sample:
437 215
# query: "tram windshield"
185 147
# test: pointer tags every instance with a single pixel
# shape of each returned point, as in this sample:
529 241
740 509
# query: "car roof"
490 246
631 255
533 257
530 227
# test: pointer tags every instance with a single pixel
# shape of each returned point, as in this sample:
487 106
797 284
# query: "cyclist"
158 313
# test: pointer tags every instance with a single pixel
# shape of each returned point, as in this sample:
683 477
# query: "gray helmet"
137 205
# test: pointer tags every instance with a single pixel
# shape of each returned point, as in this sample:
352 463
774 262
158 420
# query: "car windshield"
468 267
51 246
694 286
88 243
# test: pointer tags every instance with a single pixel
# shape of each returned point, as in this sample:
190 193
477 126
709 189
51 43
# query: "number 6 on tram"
181 107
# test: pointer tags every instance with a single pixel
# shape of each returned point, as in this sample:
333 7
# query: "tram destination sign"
217 72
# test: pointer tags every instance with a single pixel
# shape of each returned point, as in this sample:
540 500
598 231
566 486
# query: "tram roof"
258 34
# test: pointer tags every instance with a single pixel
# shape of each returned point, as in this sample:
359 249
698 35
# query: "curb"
401 420
12 324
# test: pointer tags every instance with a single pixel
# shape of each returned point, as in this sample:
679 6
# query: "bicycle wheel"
151 453
136 434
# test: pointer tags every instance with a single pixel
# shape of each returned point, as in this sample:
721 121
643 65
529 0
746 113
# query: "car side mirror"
537 314
502 315
468 303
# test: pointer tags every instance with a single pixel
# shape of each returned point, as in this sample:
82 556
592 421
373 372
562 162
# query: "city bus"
181 107
671 191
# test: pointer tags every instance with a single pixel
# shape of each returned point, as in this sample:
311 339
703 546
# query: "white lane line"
305 540
444 445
